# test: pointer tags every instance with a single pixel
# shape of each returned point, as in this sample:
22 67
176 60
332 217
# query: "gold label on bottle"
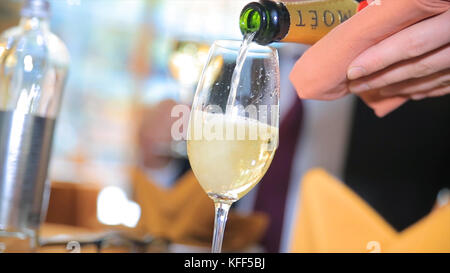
310 20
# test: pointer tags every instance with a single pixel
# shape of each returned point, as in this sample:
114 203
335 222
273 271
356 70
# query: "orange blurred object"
74 204
184 214
332 218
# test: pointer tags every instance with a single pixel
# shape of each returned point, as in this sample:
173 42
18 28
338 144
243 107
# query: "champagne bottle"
299 22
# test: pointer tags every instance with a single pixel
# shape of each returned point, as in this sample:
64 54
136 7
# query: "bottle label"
311 20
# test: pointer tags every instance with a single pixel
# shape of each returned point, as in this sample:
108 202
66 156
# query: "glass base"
18 241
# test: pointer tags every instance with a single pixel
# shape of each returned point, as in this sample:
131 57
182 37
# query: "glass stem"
219 225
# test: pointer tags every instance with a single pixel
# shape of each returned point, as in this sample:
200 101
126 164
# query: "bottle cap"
36 8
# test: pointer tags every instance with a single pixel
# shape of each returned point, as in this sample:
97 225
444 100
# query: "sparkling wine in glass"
233 127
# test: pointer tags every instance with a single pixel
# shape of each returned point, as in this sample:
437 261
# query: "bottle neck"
268 19
35 14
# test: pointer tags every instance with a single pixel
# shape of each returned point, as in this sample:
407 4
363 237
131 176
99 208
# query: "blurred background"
123 61
125 55
115 168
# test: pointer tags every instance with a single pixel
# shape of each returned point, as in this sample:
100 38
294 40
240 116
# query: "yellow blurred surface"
184 215
332 218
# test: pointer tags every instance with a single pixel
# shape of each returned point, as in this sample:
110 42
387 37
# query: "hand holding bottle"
389 52
414 62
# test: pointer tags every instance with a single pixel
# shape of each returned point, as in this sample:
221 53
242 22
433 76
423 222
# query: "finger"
413 41
321 73
437 92
418 67
419 85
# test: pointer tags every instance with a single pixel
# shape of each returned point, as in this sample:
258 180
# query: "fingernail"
358 87
356 72
418 97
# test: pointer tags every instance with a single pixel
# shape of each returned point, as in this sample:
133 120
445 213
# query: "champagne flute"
233 127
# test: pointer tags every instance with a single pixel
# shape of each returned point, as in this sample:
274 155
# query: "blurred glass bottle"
33 70
299 22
